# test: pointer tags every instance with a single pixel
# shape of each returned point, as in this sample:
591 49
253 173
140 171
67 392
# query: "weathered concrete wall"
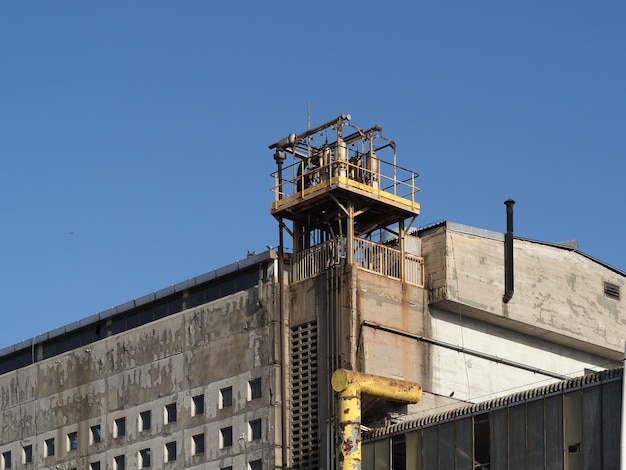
392 304
225 343
471 377
559 294
430 335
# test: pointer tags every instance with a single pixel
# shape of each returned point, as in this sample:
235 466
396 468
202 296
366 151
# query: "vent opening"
611 290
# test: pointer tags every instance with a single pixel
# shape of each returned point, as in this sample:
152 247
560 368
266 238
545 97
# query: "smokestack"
508 252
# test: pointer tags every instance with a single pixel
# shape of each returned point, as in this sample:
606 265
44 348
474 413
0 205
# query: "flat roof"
144 300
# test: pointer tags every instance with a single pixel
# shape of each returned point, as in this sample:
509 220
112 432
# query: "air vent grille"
611 290
304 376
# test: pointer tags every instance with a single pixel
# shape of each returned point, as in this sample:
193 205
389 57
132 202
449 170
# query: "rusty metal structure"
345 194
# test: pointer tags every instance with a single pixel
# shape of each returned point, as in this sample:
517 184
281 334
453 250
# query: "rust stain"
347 446
346 411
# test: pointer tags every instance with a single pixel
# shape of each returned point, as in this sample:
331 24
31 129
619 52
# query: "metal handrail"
368 255
401 184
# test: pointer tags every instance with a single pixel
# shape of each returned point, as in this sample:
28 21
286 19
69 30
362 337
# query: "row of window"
170 415
145 455
119 462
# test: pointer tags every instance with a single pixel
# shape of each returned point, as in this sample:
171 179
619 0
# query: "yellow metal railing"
414 269
388 181
378 258
371 256
317 259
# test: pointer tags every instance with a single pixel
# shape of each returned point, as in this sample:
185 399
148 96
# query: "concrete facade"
226 381
197 389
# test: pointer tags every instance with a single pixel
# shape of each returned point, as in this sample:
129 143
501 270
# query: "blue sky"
133 135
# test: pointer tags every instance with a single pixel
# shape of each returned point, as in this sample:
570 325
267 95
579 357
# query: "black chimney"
508 252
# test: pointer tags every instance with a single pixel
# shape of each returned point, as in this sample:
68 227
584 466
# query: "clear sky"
133 135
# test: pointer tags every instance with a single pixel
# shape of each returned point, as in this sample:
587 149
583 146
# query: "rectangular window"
197 444
119 428
197 405
254 389
482 440
119 463
49 449
94 466
6 459
72 441
145 420
95 434
256 465
226 437
170 413
254 430
27 454
170 451
226 397
145 458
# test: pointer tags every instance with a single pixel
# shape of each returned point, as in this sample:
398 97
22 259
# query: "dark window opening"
170 413
170 451
482 452
145 458
145 420
255 429
398 453
96 434
226 397
226 437
6 459
49 447
120 462
255 389
120 427
72 441
197 405
197 444
28 454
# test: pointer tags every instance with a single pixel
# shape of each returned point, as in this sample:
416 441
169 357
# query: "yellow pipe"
350 427
350 385
376 386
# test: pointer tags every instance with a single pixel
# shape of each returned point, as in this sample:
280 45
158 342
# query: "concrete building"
232 369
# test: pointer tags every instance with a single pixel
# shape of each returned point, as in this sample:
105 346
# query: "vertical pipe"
350 233
401 235
283 345
508 252
622 441
350 425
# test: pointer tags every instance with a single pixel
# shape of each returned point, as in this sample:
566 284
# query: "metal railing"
312 261
388 180
368 255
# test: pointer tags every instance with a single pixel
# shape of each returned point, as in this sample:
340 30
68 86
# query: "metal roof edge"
154 296
476 408
566 247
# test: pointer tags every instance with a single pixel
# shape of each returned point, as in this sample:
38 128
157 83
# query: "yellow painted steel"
380 387
350 386
350 427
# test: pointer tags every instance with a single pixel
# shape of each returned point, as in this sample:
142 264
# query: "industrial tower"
344 202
